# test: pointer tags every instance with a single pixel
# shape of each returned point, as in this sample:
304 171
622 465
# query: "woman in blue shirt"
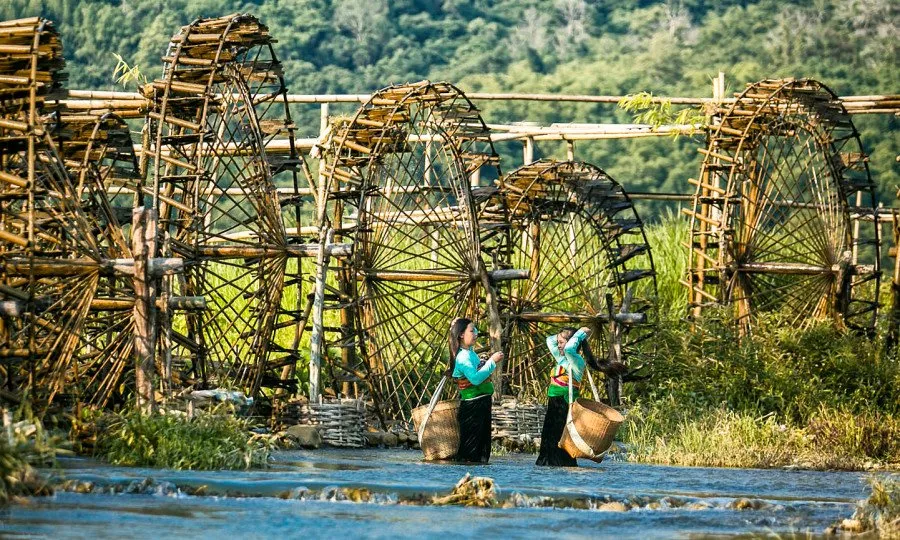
475 391
564 347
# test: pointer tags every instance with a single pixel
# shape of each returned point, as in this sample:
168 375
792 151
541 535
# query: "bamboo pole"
294 250
143 233
849 101
316 340
894 317
441 275
580 318
528 151
787 268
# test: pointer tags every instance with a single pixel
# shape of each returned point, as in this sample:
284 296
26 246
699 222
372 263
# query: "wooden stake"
143 243
528 151
316 340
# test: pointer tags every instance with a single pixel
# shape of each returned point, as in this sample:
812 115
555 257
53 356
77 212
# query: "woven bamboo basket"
441 437
596 424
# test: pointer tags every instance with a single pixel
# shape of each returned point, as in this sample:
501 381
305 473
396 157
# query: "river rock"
614 506
304 436
298 493
852 525
391 439
374 438
671 502
748 504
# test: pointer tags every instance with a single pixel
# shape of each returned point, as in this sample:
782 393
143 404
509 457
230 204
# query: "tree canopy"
563 46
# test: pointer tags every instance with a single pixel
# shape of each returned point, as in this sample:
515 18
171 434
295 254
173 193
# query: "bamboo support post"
143 244
894 316
317 341
616 333
528 151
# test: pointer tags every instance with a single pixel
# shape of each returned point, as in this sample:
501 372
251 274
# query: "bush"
880 513
24 444
779 370
209 440
667 433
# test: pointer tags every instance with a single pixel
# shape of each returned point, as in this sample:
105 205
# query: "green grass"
817 397
23 445
666 432
670 259
880 512
210 440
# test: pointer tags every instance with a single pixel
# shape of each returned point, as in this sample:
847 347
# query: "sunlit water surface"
301 494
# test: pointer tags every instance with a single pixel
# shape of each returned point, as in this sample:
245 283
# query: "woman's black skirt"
475 430
554 423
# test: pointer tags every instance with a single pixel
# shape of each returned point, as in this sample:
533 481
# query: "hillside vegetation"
561 46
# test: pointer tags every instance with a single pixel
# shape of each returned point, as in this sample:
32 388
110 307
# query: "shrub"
208 440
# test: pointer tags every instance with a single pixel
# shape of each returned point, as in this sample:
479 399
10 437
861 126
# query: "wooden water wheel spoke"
787 242
408 153
575 229
219 192
49 212
397 343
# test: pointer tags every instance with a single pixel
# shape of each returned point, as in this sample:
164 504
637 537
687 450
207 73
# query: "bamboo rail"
855 104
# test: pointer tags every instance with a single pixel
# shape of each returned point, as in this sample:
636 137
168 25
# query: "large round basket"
595 424
441 437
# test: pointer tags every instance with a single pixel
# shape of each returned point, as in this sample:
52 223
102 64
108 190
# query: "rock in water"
304 436
614 506
470 491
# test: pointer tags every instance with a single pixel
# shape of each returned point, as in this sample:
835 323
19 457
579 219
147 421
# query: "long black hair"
457 327
584 348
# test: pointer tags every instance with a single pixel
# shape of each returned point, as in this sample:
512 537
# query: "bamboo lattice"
770 223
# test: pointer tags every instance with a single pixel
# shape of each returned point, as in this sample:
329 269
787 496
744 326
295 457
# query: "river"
307 494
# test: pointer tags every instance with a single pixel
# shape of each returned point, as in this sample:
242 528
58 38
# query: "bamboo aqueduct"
199 257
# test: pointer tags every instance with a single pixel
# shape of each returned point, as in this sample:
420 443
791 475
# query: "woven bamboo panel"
513 418
342 422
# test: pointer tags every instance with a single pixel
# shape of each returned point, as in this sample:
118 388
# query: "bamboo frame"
741 254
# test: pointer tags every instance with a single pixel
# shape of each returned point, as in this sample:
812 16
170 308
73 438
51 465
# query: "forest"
668 48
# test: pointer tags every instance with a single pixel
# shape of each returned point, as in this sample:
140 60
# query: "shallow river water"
306 494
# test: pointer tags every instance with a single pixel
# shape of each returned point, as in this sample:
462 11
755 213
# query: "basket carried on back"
440 440
591 429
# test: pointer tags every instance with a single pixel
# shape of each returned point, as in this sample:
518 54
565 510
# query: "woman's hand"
586 330
497 356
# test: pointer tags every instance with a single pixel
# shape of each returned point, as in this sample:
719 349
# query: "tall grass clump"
207 440
667 239
880 513
23 445
666 434
814 397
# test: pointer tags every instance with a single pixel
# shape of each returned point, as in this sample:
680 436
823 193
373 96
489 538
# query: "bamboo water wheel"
99 155
51 253
589 262
771 228
397 186
218 206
